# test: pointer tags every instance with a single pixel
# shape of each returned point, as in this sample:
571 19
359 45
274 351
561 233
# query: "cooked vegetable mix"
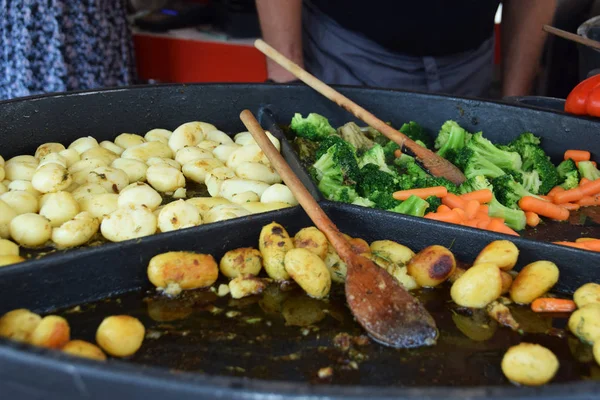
306 263
64 197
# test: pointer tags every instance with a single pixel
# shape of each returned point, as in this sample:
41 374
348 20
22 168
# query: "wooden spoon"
391 315
572 37
435 164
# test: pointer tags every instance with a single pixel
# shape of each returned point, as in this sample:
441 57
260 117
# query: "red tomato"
584 99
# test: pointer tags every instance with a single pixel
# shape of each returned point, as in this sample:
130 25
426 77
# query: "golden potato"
586 294
313 240
243 261
120 335
205 204
503 253
533 281
127 140
478 286
507 281
432 266
359 246
8 248
30 230
19 324
182 270
52 332
47 148
10 259
246 285
273 243
309 271
585 323
337 268
529 364
84 349
7 213
395 252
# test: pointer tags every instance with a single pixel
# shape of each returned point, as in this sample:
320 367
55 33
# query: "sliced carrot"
532 218
593 245
482 196
553 305
572 244
555 190
543 208
570 206
398 153
583 181
437 191
443 208
449 217
453 201
578 155
472 208
569 196
585 239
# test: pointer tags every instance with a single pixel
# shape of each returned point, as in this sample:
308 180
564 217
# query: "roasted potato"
533 281
189 134
30 230
337 268
395 252
120 335
246 285
10 259
274 242
587 294
309 271
507 281
503 253
127 140
19 324
180 270
313 240
432 266
52 332
529 364
77 231
478 286
178 215
242 261
585 323
84 349
128 223
8 248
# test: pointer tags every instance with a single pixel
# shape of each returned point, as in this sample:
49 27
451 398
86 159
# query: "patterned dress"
59 45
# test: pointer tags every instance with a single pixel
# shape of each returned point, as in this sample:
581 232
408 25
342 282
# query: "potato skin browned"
478 286
274 242
52 332
529 364
19 324
81 348
120 335
246 285
185 269
432 266
313 240
585 323
309 271
503 253
242 261
533 281
395 252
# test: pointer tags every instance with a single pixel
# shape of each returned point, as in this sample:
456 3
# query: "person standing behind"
56 46
428 45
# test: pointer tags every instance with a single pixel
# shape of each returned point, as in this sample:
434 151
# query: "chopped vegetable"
543 208
553 305
314 127
436 191
584 99
588 170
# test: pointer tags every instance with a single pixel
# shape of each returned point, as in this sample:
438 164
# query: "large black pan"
85 275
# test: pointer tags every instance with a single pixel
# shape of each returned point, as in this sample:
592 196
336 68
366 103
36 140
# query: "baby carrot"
498 226
585 239
461 213
532 218
482 214
472 208
545 198
590 188
472 223
577 155
437 191
543 208
583 181
570 206
483 223
555 190
484 209
453 201
449 217
553 305
572 244
568 196
593 245
442 208
482 196
587 201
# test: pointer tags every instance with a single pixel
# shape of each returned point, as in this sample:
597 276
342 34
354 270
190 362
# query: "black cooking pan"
87 275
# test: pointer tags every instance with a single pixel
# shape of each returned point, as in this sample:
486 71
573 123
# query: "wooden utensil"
435 164
391 315
572 37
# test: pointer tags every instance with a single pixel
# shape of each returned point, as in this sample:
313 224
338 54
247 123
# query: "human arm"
522 42
281 25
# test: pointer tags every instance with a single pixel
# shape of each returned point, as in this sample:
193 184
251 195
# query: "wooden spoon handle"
312 208
572 37
435 164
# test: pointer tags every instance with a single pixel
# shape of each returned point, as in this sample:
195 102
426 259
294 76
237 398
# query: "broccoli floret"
434 203
364 202
525 138
372 179
569 175
352 134
588 170
417 133
375 155
473 165
325 144
451 138
530 181
412 206
389 149
407 165
306 150
313 127
535 159
514 218
339 163
509 192
335 190
486 149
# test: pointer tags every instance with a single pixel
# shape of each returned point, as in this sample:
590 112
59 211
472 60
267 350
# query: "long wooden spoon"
435 164
386 310
572 37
